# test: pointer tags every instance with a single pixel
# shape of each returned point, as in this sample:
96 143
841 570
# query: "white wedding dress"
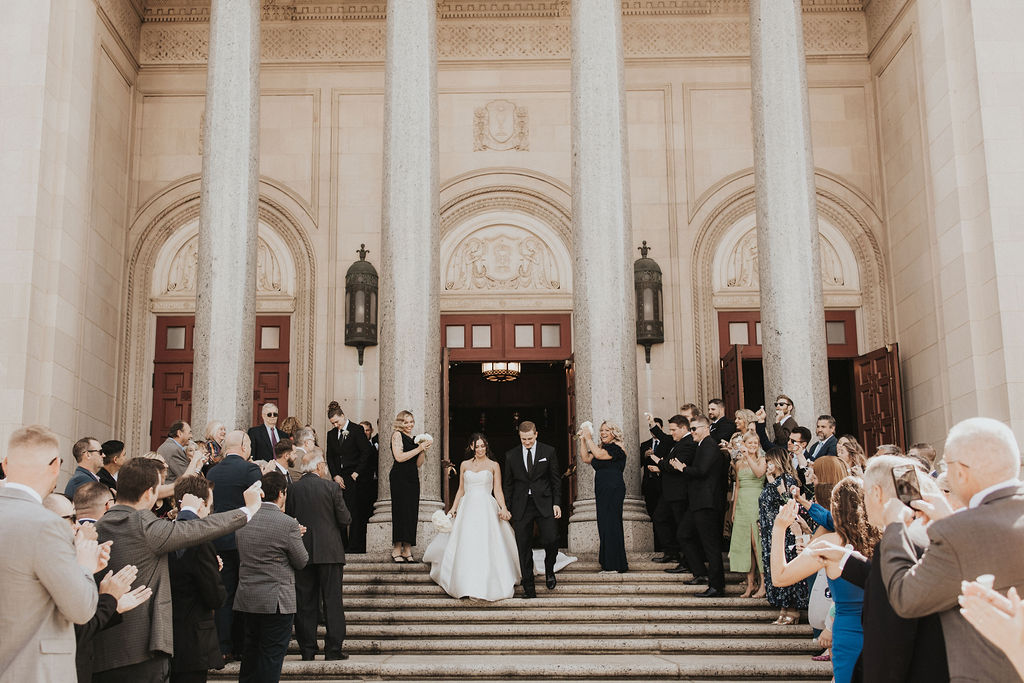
478 559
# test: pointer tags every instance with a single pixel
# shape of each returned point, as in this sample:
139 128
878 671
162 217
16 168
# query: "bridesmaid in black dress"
608 461
405 486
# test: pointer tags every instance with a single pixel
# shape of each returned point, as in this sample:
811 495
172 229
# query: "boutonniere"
344 432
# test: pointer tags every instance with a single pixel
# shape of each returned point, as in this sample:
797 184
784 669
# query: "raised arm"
590 450
403 455
757 464
163 536
787 573
918 588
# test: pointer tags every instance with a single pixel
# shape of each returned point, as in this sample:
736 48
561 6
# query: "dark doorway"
496 409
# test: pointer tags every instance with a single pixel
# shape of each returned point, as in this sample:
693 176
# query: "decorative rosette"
442 522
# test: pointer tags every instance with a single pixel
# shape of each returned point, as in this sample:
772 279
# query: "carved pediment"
182 274
502 258
741 265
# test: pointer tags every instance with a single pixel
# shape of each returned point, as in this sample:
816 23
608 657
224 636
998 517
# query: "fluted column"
603 293
226 293
789 261
410 323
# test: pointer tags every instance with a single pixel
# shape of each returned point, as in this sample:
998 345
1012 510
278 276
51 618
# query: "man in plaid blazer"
270 549
140 648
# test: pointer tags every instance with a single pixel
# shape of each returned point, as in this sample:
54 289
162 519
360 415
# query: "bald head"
33 458
980 452
59 505
236 442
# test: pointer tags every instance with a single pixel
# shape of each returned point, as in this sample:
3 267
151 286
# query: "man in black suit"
196 591
231 477
650 474
722 427
265 436
350 459
668 516
825 429
706 483
318 504
532 484
895 649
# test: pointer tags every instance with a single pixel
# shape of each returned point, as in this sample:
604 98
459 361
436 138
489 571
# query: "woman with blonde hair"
851 453
405 485
214 434
745 420
748 466
609 461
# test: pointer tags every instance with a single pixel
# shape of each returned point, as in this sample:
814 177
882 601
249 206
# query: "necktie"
529 457
273 437
339 436
654 446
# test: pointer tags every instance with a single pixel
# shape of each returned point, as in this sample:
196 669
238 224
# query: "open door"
876 377
732 379
569 477
447 469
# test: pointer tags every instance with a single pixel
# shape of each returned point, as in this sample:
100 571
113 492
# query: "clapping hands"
91 555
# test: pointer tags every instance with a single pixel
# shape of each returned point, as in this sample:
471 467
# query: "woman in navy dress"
853 531
609 461
405 486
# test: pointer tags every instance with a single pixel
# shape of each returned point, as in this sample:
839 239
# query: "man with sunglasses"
265 436
89 456
785 423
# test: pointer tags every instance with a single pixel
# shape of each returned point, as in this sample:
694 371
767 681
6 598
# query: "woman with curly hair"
852 528
608 458
851 452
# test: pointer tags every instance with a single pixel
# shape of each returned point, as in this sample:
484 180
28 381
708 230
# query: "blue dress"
847 632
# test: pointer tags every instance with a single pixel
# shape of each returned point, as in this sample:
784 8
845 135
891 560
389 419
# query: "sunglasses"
781 404
796 441
271 414
71 517
693 429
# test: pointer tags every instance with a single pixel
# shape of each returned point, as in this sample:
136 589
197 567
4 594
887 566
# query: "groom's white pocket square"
542 460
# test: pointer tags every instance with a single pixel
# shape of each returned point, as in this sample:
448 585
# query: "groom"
533 489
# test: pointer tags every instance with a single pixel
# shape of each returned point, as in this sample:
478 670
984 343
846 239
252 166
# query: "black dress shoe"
697 581
549 579
529 593
678 569
306 657
335 656
665 559
710 593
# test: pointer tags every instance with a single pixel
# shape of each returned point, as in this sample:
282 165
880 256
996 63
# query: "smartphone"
908 488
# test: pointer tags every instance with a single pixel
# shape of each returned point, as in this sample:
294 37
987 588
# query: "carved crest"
182 275
502 258
501 125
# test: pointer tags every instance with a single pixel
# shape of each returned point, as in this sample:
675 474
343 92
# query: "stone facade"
916 126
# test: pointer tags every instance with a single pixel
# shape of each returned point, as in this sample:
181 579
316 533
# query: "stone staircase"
644 625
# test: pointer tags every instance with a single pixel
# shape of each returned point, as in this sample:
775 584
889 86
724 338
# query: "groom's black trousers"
524 540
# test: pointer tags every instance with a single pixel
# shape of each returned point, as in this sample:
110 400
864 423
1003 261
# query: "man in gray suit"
47 578
270 549
173 450
140 648
983 462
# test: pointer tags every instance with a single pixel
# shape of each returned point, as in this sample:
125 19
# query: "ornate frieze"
880 16
502 258
500 125
125 16
182 274
741 269
176 33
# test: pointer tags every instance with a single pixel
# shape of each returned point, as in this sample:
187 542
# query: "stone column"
410 319
226 292
603 294
789 260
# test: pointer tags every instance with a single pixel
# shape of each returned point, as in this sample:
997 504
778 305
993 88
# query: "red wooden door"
876 378
570 413
732 379
172 375
172 371
270 368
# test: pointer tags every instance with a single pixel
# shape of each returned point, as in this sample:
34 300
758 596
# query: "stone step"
498 615
566 588
632 667
567 578
550 600
380 566
588 629
575 643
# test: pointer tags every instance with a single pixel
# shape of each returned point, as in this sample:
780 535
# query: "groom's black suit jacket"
545 480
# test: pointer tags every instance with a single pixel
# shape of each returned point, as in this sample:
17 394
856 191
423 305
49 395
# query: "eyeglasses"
781 404
271 414
98 450
71 518
796 441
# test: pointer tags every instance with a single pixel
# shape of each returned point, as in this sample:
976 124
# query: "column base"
636 527
378 530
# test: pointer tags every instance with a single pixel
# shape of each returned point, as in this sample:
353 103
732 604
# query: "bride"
478 559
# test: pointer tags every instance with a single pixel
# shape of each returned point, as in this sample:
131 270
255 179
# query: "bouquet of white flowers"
441 521
588 426
420 438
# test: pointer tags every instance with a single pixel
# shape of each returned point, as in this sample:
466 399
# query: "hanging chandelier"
500 372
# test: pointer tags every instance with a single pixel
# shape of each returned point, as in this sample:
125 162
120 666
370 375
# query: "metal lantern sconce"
361 303
650 323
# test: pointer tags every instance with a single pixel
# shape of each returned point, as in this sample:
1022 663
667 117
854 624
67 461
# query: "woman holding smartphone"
852 529
779 479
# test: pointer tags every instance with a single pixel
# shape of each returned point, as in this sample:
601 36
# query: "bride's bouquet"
441 521
586 426
420 438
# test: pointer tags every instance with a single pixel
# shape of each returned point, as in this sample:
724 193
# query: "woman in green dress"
748 465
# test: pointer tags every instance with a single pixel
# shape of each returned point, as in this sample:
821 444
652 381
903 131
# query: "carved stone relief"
500 125
182 275
741 268
505 258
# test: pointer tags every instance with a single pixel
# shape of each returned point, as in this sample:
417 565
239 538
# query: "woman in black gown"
405 486
608 461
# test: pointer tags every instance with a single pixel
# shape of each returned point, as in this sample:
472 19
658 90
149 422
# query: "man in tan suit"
48 584
984 538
